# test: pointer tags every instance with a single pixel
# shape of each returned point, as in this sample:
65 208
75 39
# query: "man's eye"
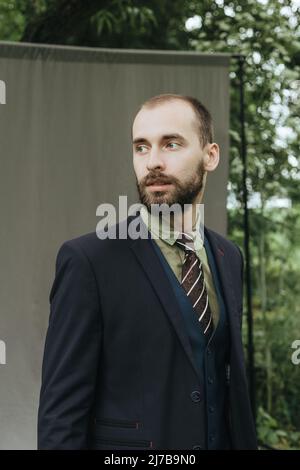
140 148
173 144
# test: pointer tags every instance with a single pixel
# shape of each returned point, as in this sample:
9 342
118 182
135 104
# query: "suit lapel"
223 268
148 259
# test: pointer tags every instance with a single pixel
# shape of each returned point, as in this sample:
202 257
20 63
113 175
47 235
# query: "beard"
181 193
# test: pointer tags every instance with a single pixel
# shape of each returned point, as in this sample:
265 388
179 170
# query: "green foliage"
269 434
15 14
275 272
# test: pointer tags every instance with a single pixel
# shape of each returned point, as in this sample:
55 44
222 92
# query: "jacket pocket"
126 424
117 442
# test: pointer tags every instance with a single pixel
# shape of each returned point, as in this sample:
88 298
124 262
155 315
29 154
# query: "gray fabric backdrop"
65 148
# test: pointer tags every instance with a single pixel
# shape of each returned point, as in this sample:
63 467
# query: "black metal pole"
248 283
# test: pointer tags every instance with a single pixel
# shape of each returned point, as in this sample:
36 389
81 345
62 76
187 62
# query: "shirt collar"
159 229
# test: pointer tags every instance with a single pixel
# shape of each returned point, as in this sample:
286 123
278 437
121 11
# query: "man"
144 349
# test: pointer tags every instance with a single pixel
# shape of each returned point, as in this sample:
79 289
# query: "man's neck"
185 221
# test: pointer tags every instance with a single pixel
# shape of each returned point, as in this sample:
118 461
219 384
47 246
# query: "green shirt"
174 255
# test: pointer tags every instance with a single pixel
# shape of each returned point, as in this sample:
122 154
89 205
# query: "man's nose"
155 160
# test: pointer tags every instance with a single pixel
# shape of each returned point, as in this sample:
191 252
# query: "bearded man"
144 347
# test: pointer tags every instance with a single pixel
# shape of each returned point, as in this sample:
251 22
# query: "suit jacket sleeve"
71 354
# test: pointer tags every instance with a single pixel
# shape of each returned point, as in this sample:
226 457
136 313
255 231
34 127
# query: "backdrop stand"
243 149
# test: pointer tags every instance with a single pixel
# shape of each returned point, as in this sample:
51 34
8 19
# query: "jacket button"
210 380
211 409
197 447
196 396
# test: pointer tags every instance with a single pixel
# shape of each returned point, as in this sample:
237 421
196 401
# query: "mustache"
156 179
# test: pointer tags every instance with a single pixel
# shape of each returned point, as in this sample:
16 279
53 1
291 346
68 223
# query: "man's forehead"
167 118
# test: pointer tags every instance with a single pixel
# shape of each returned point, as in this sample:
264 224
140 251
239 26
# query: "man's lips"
158 185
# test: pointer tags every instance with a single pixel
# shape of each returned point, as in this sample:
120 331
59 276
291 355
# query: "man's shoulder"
94 243
222 242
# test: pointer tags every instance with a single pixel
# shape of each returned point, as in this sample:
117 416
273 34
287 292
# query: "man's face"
167 155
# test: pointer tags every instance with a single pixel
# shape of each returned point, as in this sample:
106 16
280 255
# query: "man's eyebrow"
177 136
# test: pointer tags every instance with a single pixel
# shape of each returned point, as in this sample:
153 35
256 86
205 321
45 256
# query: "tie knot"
186 242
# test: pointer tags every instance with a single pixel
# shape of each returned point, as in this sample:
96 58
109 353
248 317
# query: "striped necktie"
192 281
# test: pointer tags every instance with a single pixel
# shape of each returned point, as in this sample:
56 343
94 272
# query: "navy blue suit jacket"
118 369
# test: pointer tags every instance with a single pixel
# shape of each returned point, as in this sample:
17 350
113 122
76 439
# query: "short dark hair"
203 116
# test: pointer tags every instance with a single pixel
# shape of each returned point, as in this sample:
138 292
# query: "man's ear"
211 157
